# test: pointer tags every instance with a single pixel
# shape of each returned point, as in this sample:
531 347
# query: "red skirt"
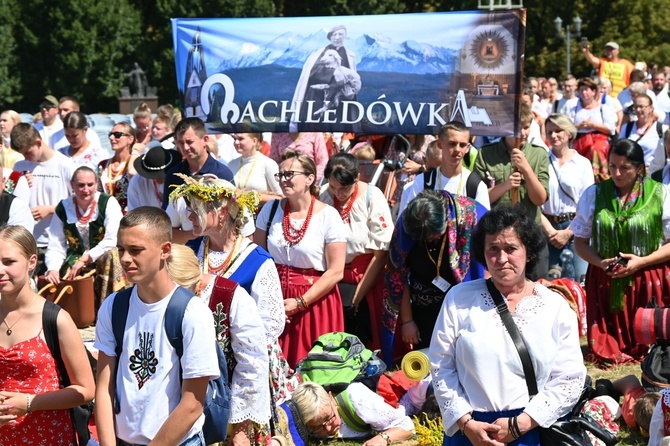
323 316
610 333
353 274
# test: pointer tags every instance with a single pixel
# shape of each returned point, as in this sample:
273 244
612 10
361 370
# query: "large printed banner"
404 73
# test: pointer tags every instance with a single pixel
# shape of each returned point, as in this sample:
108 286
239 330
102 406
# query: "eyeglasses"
118 135
47 106
321 426
288 175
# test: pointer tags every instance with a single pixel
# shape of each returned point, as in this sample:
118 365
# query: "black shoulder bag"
571 430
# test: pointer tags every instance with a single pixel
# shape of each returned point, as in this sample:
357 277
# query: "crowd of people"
283 240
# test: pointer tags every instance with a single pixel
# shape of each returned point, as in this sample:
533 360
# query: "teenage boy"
454 141
156 408
48 173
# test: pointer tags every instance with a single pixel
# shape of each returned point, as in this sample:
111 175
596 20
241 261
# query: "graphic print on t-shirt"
143 362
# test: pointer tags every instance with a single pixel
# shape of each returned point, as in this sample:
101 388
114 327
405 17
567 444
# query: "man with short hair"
48 173
68 104
454 141
660 89
191 140
569 99
517 175
50 123
160 395
617 70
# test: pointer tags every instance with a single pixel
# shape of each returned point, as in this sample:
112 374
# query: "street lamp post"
566 35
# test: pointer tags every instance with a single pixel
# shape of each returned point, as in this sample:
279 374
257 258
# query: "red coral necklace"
83 219
346 210
292 235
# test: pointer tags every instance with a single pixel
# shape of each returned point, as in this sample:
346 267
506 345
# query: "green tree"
10 76
78 48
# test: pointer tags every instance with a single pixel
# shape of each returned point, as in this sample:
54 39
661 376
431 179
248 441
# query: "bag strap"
174 315
430 179
558 180
120 308
471 185
659 129
273 211
513 331
50 326
348 413
629 128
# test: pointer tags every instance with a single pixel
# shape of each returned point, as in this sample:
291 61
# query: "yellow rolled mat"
415 365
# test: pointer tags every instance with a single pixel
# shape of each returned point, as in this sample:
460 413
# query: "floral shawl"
463 214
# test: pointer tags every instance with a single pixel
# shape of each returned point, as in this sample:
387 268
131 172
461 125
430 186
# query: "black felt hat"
156 162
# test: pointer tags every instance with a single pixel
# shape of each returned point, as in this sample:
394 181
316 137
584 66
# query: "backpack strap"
50 327
659 129
430 179
629 128
273 211
120 308
174 316
347 412
471 185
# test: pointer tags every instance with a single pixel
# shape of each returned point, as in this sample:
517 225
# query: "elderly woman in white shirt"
477 372
570 174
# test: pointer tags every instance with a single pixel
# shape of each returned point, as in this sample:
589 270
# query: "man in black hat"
146 188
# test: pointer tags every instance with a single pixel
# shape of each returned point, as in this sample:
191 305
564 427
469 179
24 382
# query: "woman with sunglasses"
366 214
80 150
307 240
218 212
115 173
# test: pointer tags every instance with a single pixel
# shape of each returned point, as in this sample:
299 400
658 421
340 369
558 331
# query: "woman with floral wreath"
307 240
115 173
218 212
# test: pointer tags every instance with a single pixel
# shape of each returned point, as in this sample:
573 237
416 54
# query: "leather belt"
561 218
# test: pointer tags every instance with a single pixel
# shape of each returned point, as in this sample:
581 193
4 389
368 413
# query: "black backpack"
471 185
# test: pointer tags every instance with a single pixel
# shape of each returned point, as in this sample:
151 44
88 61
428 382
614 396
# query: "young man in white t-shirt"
48 173
154 407
454 141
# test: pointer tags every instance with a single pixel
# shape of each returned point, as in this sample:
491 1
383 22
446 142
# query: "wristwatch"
386 437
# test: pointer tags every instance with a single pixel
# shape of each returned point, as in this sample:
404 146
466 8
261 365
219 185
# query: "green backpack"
337 359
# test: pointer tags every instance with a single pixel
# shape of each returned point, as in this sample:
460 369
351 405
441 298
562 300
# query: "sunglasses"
47 106
289 174
117 135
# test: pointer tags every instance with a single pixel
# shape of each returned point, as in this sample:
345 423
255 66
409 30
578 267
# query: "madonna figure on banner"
328 74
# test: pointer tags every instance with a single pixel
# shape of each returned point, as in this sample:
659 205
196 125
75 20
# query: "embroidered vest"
75 243
219 303
5 205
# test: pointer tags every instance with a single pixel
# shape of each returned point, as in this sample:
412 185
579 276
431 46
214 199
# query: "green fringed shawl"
636 229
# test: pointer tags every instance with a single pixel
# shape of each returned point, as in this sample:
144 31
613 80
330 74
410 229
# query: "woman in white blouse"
570 174
252 169
477 372
307 240
367 217
595 123
83 229
647 131
359 415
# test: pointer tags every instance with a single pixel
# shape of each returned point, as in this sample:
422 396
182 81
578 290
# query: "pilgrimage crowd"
283 239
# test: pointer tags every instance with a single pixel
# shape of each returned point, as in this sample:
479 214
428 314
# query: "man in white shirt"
48 173
66 105
454 140
660 89
569 99
159 396
50 123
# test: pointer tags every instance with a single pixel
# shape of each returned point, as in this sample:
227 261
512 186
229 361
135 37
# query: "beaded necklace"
346 210
292 235
221 269
84 219
115 175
